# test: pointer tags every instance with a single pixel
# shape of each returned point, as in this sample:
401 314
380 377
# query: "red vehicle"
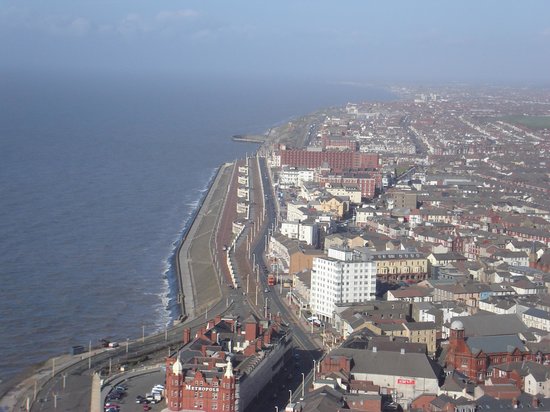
271 279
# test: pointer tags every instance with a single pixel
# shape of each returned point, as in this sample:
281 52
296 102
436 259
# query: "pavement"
198 271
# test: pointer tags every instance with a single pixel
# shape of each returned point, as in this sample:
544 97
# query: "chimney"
186 336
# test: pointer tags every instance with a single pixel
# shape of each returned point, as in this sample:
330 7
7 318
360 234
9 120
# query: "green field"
532 122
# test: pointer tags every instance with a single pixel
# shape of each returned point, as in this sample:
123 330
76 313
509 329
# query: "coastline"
175 269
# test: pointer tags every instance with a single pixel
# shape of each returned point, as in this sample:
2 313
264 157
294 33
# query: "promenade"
196 260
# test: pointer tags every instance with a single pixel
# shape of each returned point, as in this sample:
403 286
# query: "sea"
99 176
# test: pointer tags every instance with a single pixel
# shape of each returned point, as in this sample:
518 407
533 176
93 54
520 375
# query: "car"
114 396
141 399
266 290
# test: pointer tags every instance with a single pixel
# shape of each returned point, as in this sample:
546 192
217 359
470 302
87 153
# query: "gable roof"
495 344
491 324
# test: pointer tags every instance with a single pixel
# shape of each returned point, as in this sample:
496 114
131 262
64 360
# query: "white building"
293 176
307 232
344 276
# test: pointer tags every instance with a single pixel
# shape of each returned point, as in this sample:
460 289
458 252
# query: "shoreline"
174 270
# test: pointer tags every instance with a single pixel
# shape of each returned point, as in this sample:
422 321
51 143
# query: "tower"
174 383
457 332
228 389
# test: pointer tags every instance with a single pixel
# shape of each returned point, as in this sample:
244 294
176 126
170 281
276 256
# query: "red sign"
402 381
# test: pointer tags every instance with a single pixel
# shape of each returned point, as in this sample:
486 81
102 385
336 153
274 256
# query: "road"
66 387
307 346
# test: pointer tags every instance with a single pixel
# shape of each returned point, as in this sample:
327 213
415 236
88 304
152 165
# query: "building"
475 354
345 276
404 200
403 375
337 160
226 365
306 231
400 266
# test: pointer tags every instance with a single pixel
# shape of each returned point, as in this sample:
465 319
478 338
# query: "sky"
348 41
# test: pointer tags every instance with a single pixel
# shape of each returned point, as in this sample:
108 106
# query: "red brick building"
337 160
226 364
200 388
473 355
367 182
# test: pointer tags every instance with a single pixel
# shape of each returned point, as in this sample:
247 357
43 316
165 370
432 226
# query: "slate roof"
491 324
537 313
388 363
495 344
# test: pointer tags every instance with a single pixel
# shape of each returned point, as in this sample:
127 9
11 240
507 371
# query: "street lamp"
290 395
303 384
143 333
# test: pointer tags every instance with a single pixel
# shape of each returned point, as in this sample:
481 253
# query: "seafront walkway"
198 272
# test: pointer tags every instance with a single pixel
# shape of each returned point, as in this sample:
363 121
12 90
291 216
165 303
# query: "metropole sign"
403 381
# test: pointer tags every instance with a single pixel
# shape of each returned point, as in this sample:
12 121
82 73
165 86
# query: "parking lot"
140 385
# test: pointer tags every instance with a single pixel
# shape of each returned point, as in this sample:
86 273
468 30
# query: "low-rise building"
404 375
400 266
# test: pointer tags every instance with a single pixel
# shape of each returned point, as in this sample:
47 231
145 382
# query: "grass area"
532 122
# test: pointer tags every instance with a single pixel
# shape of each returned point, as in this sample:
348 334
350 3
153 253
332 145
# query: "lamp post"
127 342
290 395
303 384
143 333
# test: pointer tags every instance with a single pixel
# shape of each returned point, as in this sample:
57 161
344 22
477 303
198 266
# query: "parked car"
141 399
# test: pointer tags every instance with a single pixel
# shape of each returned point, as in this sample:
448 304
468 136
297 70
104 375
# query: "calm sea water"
98 178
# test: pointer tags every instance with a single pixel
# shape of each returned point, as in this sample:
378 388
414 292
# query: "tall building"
345 276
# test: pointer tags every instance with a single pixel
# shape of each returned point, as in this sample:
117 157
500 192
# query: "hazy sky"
355 40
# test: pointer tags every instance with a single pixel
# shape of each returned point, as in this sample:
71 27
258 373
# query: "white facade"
296 211
344 276
305 232
291 176
362 215
533 386
354 194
